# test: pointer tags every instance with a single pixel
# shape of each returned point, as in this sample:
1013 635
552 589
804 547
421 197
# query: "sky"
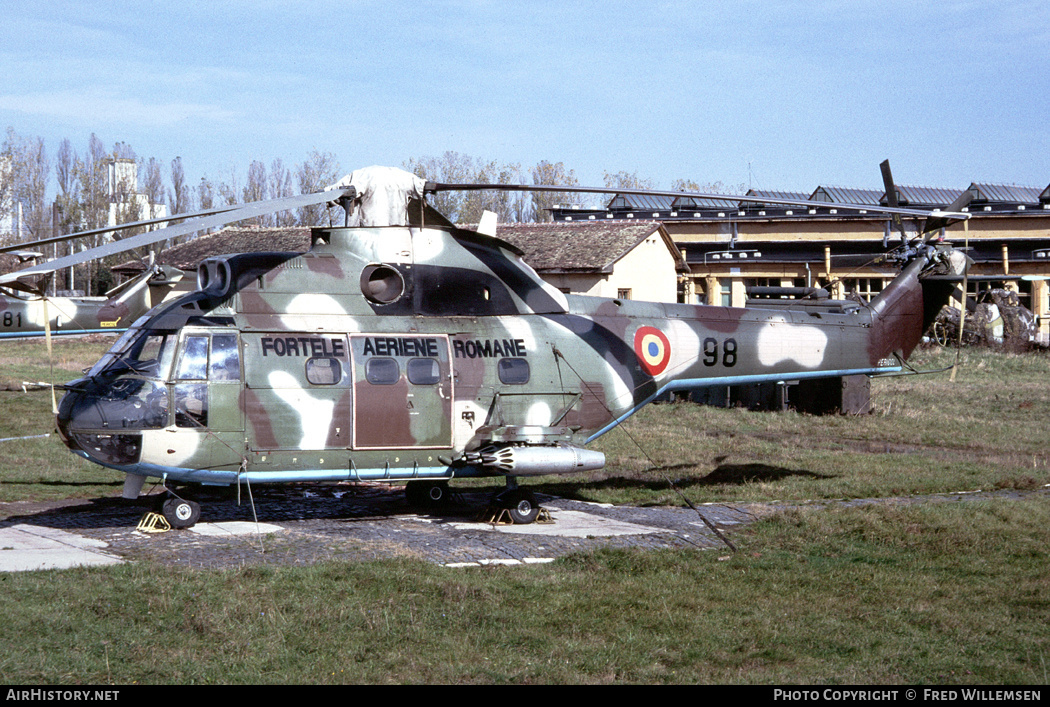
768 95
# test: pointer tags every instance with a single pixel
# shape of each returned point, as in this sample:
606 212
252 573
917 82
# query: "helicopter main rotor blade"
432 187
236 213
891 198
107 229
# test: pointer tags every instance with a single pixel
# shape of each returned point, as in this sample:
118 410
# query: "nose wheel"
180 513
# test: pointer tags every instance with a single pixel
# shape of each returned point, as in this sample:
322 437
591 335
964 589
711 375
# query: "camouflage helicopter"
401 348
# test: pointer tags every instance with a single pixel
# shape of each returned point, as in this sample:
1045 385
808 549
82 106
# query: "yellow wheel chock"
153 523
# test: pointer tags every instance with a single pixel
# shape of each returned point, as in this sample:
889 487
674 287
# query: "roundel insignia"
653 349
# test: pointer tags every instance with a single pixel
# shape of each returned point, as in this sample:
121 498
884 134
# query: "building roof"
685 203
232 239
1006 193
924 196
764 194
655 203
641 202
846 195
582 247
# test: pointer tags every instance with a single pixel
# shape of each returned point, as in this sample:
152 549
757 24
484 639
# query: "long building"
732 246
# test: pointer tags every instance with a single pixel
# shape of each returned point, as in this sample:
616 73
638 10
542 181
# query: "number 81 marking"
728 352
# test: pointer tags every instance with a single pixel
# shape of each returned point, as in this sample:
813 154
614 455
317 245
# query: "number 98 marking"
711 351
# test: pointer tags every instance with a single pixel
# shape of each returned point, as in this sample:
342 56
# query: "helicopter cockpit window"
424 371
323 371
191 399
193 364
225 361
196 363
145 353
151 355
382 371
513 371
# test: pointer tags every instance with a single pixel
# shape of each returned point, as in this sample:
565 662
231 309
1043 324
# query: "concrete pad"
504 562
235 527
30 547
570 524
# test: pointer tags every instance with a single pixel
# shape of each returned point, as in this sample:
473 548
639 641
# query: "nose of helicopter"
102 426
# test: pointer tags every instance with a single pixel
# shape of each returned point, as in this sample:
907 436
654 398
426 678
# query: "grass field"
885 594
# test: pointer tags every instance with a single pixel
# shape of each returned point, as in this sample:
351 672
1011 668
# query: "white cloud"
103 107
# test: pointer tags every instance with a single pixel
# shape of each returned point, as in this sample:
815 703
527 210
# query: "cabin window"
513 371
382 371
323 371
424 371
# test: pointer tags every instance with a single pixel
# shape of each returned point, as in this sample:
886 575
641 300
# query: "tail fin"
906 308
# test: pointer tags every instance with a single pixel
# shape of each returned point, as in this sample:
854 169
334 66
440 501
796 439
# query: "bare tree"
316 173
467 207
627 180
124 151
280 185
474 203
205 194
229 193
90 174
452 168
708 188
179 197
6 184
512 206
258 186
28 171
554 174
257 189
93 194
153 185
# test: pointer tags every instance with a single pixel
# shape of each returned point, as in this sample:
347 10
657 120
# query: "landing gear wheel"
521 505
431 494
181 513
